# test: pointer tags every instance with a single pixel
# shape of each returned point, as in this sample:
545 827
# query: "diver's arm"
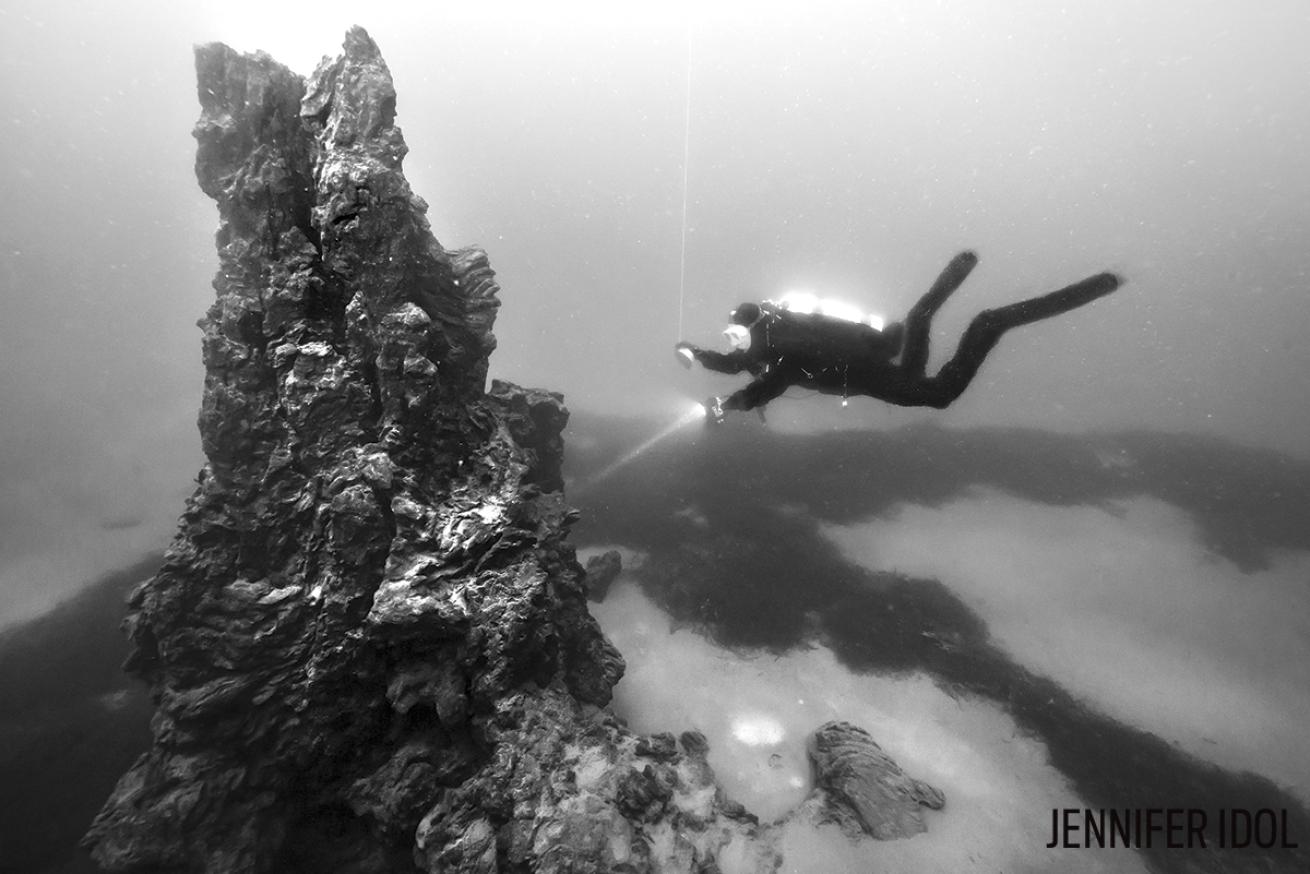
730 362
759 391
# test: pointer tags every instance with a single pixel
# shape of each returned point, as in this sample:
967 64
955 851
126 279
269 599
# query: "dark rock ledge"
368 645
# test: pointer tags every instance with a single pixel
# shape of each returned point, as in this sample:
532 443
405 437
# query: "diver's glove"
686 353
714 411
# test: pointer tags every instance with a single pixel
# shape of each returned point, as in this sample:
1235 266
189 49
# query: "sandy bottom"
757 713
1124 607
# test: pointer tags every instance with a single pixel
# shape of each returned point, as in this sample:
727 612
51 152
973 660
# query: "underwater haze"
847 148
1120 500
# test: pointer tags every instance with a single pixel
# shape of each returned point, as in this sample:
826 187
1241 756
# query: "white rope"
686 153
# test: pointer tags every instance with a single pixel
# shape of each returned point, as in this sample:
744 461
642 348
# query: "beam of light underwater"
696 413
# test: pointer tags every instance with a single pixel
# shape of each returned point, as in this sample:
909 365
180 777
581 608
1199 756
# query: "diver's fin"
1057 302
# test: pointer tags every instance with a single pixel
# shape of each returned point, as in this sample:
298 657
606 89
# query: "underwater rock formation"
859 787
602 571
368 645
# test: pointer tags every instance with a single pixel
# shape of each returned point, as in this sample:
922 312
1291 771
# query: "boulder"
859 787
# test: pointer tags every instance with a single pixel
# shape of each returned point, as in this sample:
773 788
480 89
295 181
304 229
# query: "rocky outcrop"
368 644
858 787
602 571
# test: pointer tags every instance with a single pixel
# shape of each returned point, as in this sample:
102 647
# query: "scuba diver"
781 348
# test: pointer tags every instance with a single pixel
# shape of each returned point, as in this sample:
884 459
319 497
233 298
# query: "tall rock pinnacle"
368 645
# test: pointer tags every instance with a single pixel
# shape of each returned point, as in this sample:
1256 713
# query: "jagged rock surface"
602 571
859 787
368 645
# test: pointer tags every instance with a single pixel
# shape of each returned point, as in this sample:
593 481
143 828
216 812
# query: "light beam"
696 413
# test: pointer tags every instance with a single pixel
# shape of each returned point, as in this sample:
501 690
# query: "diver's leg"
914 352
988 326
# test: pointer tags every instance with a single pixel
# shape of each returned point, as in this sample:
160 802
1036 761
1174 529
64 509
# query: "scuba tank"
808 303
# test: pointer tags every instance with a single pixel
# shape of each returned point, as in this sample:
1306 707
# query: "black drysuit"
844 358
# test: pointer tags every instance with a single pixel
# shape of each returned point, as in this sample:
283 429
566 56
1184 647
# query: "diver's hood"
739 337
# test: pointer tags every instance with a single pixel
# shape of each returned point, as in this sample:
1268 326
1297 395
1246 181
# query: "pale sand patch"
1125 608
757 713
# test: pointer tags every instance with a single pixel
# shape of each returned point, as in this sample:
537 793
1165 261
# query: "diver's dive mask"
739 337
